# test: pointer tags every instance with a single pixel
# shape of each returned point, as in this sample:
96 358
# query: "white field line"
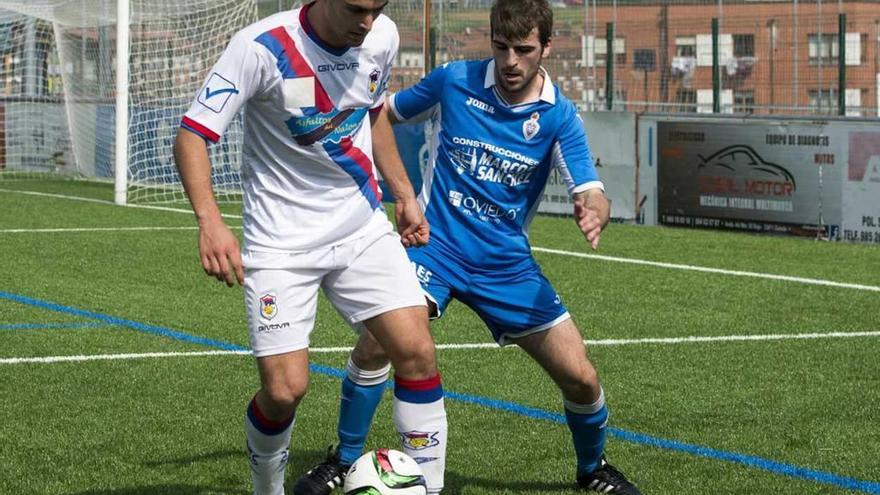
91 229
106 202
787 278
486 345
738 273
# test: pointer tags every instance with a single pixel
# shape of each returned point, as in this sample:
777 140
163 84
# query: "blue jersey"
489 161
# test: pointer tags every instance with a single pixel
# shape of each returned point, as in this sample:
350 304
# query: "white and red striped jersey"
307 171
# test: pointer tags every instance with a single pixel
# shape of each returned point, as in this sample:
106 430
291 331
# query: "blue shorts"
513 303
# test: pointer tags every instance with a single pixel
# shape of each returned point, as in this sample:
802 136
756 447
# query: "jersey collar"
547 92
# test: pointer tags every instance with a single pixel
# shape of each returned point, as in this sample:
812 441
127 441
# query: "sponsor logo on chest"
473 102
490 163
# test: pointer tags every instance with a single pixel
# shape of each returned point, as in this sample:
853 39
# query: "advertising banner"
758 176
861 190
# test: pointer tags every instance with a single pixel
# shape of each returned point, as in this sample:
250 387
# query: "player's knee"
368 354
416 361
284 397
582 387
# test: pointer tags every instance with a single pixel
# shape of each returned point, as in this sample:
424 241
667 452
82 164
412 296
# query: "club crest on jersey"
418 440
268 306
531 127
374 80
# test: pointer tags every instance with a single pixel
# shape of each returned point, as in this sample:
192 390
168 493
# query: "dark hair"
515 19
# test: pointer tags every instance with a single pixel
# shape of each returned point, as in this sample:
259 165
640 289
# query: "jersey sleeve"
571 156
385 75
417 100
238 74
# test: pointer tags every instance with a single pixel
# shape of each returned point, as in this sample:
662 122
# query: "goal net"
58 89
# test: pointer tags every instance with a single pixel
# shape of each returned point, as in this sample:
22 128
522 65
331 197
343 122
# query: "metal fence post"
841 64
716 70
609 66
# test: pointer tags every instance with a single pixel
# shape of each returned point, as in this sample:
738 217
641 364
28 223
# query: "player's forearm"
595 200
388 159
194 166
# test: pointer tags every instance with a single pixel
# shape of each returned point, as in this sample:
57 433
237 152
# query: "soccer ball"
385 472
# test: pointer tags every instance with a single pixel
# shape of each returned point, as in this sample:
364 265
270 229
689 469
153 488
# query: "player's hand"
219 252
589 223
411 223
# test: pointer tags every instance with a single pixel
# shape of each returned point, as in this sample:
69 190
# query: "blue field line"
141 327
46 326
697 450
510 407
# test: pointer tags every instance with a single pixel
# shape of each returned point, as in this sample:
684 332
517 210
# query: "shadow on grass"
456 483
168 490
303 460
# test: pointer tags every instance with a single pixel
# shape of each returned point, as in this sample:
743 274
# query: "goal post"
120 185
85 95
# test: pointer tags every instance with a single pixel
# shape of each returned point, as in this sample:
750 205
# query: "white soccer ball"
385 472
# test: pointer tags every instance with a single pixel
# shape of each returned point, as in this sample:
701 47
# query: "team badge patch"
374 80
531 127
217 92
268 307
418 440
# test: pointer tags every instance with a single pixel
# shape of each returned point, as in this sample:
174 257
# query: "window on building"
744 101
619 97
823 100
823 48
686 99
619 52
854 98
686 46
743 45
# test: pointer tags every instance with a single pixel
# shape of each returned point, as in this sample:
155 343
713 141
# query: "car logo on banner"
531 127
739 158
268 306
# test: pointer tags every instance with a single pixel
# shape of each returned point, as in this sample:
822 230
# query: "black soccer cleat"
323 478
607 479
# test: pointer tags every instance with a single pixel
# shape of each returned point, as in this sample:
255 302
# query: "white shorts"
362 278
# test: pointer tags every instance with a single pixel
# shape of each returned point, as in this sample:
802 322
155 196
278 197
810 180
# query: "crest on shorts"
531 126
374 80
268 307
418 440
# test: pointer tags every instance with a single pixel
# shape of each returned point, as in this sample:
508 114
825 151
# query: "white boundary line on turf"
486 345
106 202
91 229
738 273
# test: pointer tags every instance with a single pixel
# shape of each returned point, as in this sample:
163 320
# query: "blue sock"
360 398
587 424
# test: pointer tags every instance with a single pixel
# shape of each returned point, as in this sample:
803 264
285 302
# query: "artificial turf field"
732 363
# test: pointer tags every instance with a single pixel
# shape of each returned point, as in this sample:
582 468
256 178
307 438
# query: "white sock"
420 418
267 444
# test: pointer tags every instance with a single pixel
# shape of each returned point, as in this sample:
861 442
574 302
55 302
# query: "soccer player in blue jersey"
499 127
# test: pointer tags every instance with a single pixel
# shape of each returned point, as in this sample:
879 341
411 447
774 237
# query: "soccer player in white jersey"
499 127
312 84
